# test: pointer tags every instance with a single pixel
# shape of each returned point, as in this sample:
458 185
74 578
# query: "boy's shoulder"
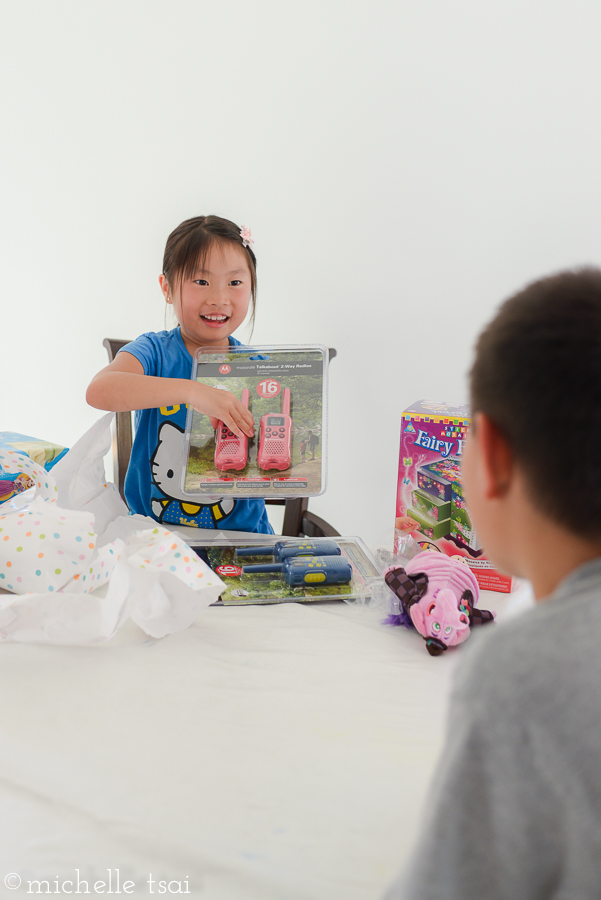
554 644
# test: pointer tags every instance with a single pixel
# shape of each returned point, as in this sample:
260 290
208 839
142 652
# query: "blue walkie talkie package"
268 569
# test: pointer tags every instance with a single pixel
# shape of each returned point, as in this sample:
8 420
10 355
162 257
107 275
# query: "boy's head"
537 378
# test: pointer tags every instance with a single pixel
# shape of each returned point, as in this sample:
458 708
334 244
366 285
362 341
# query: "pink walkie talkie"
231 451
275 434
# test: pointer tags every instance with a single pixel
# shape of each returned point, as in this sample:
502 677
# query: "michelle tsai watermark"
110 883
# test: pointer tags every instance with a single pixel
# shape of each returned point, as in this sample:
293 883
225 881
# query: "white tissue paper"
70 584
80 478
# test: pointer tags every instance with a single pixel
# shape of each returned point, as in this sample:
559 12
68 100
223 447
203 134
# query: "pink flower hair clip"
246 236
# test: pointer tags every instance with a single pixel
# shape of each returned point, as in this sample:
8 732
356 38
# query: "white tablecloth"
266 753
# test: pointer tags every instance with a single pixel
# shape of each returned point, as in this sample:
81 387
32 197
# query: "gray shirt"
515 807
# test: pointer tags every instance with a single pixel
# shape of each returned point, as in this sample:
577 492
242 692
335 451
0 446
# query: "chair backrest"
298 521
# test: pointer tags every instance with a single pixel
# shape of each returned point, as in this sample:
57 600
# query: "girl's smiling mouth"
215 319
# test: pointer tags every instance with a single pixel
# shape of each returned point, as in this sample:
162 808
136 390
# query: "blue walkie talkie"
282 550
314 570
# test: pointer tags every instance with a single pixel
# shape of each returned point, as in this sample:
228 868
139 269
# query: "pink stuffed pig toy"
437 596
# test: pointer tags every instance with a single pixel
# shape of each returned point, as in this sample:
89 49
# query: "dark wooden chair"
298 520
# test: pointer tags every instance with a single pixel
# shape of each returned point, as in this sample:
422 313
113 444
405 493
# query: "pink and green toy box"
430 503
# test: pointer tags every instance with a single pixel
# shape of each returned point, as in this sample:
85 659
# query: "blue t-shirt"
159 443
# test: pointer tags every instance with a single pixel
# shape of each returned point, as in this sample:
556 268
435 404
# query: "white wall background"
403 165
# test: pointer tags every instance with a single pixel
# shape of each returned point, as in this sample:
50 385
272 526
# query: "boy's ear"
496 457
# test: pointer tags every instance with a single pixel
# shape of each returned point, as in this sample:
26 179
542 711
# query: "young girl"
209 277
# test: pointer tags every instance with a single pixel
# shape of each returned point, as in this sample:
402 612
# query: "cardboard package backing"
430 492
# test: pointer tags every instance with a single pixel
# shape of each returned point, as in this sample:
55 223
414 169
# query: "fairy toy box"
430 501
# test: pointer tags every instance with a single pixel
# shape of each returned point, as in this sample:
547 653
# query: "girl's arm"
122 386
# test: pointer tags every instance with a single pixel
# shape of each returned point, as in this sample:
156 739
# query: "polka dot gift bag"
67 590
42 546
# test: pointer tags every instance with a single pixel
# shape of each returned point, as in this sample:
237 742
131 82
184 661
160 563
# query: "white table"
267 753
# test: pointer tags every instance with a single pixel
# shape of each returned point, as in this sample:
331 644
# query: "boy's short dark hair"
537 375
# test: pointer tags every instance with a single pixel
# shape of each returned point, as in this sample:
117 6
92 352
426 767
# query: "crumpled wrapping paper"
71 585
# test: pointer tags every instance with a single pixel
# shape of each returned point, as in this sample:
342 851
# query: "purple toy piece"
439 595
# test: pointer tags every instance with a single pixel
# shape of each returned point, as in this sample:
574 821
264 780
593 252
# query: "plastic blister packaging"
285 388
395 549
271 569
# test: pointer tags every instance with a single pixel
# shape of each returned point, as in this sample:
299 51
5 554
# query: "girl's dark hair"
188 246
537 375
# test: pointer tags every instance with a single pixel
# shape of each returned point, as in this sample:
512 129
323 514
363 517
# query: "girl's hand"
406 523
221 405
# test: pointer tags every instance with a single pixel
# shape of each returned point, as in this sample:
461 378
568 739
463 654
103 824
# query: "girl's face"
213 302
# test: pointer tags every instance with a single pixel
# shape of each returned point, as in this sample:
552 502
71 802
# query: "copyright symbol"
12 881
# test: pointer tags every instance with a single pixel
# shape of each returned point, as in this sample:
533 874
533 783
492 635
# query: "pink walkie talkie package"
285 389
231 450
275 436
